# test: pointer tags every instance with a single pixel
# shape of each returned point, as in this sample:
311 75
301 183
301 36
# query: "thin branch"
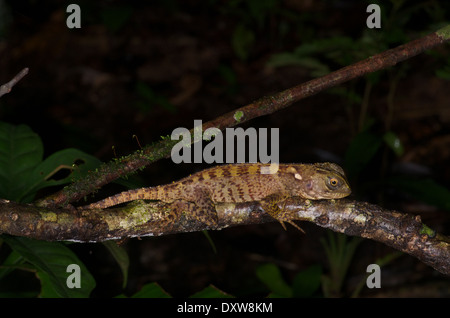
401 231
264 106
6 88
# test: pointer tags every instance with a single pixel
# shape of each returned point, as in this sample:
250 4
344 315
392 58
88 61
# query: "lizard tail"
126 196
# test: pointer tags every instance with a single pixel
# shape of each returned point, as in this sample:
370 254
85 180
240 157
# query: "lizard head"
320 181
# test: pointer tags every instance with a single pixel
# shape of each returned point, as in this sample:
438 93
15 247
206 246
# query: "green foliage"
121 257
393 142
22 173
380 262
337 49
339 251
271 276
242 41
230 78
21 151
360 152
50 260
115 17
22 169
148 99
211 292
425 190
13 261
251 16
210 241
444 72
305 284
152 290
364 148
5 19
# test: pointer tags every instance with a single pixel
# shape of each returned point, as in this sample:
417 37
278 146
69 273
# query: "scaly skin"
198 193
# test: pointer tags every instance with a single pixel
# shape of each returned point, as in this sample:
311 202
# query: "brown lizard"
198 193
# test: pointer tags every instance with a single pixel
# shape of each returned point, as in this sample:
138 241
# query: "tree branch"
401 231
6 88
264 106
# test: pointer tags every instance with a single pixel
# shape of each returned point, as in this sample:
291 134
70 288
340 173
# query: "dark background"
142 69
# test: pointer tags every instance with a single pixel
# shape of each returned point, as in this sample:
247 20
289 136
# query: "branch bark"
6 88
264 106
401 231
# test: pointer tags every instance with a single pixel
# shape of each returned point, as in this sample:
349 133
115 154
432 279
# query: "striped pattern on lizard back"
198 193
227 183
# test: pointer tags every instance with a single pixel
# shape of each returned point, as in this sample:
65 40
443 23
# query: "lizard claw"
291 223
296 226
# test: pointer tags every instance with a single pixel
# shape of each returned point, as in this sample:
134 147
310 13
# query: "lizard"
270 184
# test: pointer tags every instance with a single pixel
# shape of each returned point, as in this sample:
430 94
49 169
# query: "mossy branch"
401 231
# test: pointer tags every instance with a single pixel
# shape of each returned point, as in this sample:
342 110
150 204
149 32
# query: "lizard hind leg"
203 209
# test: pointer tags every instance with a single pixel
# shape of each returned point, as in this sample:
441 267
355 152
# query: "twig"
264 106
6 88
401 231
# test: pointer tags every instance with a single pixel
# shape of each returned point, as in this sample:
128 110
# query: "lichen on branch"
401 231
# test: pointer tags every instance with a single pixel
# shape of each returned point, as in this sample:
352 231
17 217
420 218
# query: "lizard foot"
270 206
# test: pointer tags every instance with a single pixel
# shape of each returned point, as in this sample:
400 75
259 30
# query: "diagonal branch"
401 231
6 88
264 106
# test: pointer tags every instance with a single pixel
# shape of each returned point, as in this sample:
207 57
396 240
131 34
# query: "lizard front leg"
270 205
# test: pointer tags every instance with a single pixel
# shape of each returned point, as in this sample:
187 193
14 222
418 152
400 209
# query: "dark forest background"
136 70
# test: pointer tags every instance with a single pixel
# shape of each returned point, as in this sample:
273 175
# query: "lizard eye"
333 182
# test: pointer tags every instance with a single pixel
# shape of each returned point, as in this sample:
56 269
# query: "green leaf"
13 260
230 78
21 151
394 143
307 282
51 260
443 73
210 240
22 171
339 250
285 59
121 257
148 98
261 9
74 161
152 290
211 292
361 150
425 190
271 276
114 18
242 41
352 96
